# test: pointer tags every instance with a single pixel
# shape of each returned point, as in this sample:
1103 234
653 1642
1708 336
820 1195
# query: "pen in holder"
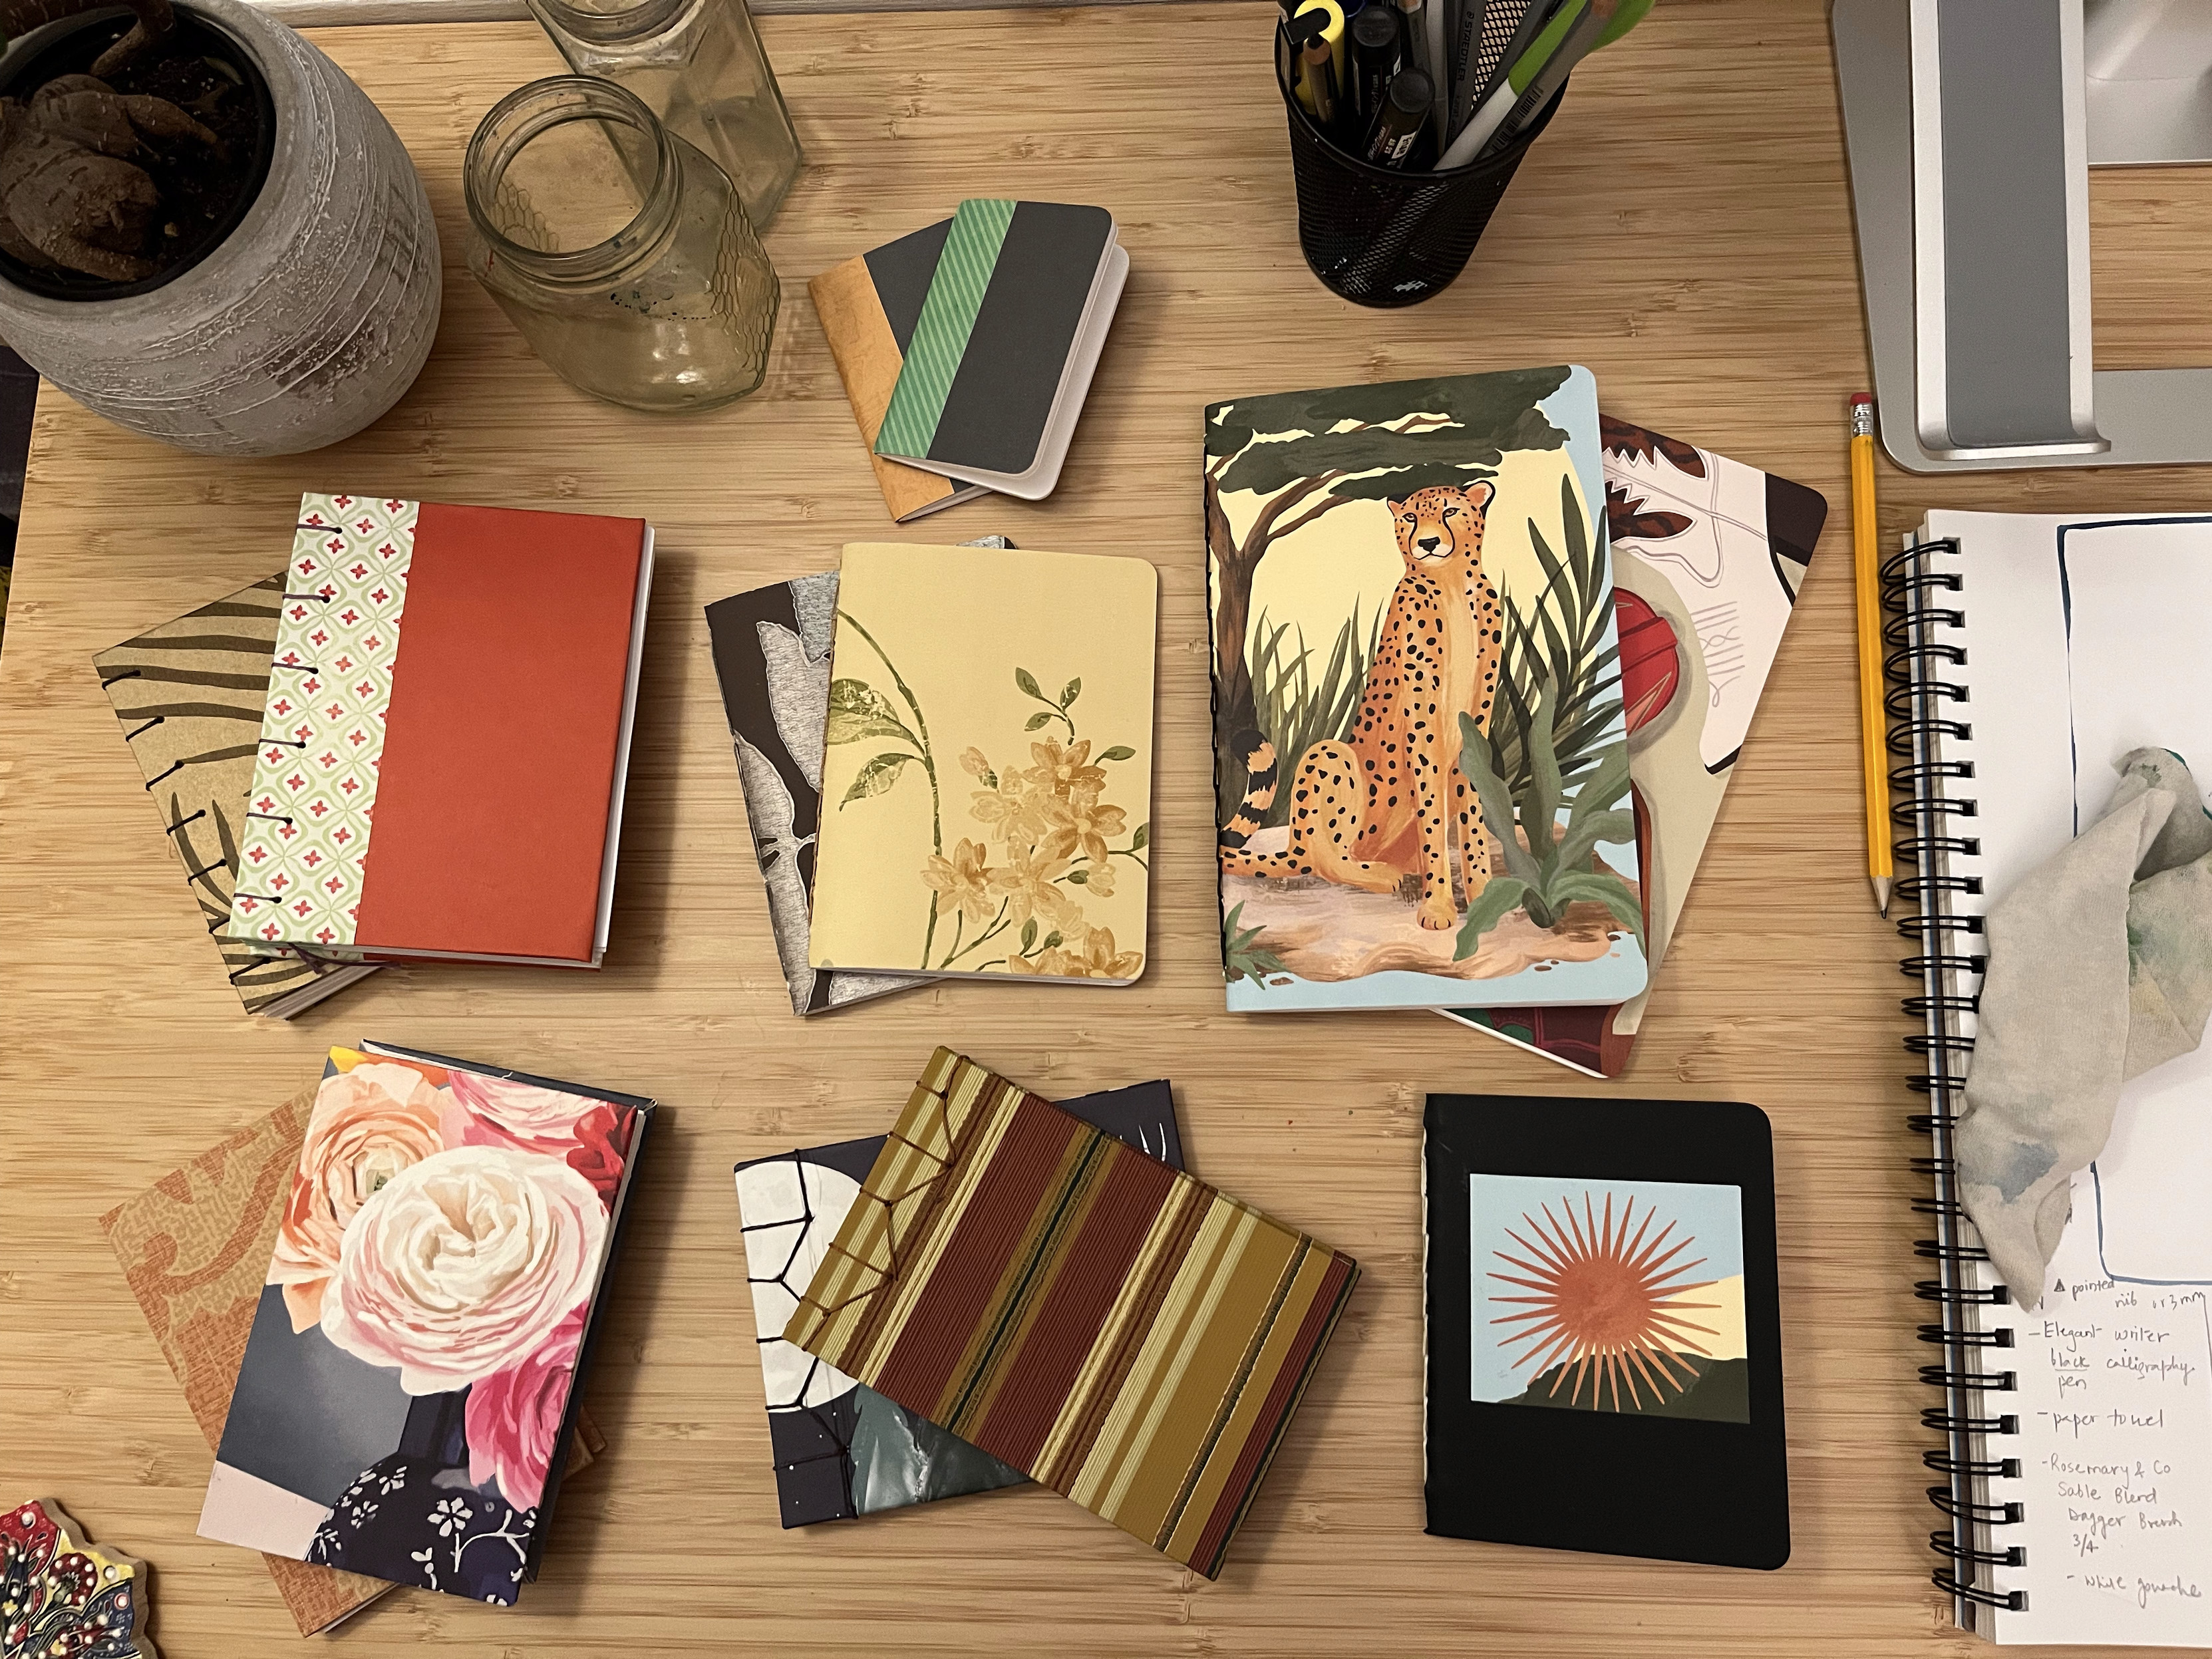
1383 237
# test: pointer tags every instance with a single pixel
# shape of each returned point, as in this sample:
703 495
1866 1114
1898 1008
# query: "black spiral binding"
1935 819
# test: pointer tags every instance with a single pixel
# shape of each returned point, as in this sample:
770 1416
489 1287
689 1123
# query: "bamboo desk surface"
1684 229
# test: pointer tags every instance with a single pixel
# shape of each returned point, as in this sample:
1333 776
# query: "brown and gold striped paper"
1123 1334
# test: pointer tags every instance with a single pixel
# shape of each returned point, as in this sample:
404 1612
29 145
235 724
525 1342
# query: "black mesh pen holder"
1380 237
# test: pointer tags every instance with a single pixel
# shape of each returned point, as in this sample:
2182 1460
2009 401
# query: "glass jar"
698 66
622 254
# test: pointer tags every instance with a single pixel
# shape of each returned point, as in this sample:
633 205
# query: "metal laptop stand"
1972 126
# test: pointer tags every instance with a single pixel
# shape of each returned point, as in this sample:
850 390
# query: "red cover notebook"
446 735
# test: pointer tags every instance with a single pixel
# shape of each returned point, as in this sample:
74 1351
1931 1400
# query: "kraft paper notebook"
2074 1449
193 1247
446 735
869 305
1383 560
1707 557
1604 1327
842 1449
1116 1330
188 696
1001 353
986 780
407 1395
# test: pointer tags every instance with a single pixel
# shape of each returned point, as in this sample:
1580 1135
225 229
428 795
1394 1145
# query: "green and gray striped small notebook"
1010 333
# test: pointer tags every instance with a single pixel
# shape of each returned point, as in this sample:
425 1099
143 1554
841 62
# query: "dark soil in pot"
203 190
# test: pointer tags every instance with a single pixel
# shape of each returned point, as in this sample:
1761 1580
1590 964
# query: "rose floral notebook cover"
408 1391
987 777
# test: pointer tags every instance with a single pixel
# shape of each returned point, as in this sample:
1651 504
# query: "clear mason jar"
622 254
698 66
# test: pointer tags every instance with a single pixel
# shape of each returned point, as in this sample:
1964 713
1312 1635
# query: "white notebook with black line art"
1010 334
2078 1433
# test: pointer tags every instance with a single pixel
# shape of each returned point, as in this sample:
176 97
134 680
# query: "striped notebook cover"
989 353
869 305
189 695
1120 1332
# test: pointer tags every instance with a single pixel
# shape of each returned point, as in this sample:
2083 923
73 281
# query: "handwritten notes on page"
2114 1402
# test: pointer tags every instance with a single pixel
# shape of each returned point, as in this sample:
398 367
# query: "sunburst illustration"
1605 1306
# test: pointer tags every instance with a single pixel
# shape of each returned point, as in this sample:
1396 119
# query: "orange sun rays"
1607 1307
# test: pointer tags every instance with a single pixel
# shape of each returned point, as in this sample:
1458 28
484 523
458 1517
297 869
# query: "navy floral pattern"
415 1522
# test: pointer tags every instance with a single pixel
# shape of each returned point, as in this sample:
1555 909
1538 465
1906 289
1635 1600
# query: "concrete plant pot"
304 323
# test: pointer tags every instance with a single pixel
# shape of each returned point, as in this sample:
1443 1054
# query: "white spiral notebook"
2033 652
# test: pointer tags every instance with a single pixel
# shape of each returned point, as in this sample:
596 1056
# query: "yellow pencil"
1866 549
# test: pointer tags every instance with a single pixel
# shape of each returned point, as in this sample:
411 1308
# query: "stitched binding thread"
1924 708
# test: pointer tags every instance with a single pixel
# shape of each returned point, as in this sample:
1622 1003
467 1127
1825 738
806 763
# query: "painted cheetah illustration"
1380 806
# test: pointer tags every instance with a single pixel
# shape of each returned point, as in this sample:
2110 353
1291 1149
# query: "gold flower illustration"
963 880
1026 883
1063 771
1080 822
1052 963
1098 958
1011 817
1098 880
973 763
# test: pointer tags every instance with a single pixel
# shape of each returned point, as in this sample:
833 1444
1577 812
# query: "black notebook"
1604 1338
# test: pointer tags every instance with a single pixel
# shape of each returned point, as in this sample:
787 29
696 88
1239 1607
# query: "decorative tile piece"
63 1598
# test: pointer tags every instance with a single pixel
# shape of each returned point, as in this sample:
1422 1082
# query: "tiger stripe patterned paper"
1121 1333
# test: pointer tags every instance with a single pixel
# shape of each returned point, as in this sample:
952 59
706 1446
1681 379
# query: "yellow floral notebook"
986 780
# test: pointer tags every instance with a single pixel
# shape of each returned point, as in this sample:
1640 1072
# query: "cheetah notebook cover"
1603 1328
1002 350
986 775
446 735
194 1247
188 696
407 1394
869 305
1708 555
842 1449
1109 1326
1415 655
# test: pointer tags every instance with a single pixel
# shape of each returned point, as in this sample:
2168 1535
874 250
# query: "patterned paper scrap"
1121 1333
322 735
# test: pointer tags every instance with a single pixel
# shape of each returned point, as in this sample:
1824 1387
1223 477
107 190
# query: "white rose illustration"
461 1265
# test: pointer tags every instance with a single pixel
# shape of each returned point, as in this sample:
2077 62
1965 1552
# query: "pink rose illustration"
464 1264
368 1125
490 1111
513 1417
602 1136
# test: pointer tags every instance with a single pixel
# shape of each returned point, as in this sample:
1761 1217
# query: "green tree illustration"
1359 443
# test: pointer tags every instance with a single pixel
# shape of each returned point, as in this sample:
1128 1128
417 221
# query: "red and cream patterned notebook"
441 676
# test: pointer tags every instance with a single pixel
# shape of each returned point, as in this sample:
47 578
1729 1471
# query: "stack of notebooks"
946 754
967 348
1595 606
195 1249
405 1404
417 672
1708 555
1004 1288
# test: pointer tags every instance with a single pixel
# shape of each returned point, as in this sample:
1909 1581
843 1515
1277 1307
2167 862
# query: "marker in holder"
1384 237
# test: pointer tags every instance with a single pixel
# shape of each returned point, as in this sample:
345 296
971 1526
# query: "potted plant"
208 234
